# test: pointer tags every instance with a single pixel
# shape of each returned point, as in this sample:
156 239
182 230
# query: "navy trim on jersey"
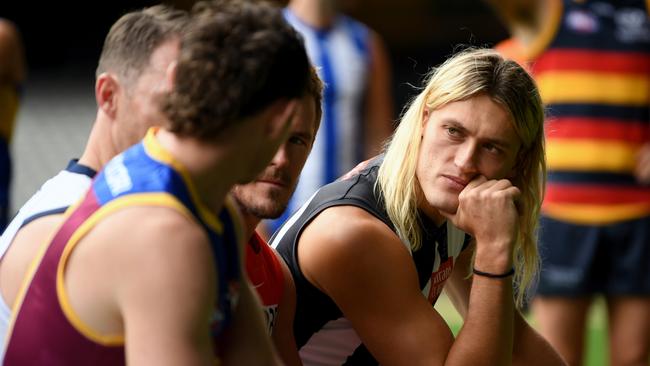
75 167
54 211
579 177
622 113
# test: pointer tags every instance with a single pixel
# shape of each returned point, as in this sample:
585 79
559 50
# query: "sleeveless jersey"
265 273
54 197
341 56
592 67
46 330
324 336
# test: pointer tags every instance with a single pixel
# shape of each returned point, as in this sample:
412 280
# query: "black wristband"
493 275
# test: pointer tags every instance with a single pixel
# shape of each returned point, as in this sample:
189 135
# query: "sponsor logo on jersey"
271 313
117 176
438 278
581 21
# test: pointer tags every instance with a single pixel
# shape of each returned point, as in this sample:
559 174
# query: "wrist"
493 259
493 267
495 276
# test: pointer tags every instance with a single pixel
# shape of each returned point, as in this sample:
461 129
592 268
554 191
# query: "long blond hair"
467 74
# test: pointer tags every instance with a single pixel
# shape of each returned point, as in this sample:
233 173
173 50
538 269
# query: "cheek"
298 159
294 174
496 168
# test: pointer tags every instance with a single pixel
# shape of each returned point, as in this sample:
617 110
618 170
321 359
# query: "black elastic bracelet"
492 275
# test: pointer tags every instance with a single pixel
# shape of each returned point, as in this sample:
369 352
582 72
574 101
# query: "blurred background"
63 42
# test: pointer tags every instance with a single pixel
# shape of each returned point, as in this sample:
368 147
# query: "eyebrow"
305 135
495 141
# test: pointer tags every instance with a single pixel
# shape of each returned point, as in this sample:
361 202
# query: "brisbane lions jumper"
323 334
46 330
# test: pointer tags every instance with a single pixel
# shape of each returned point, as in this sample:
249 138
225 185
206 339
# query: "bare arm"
642 170
21 253
248 342
248 331
379 105
514 12
524 18
529 348
487 210
166 296
12 58
375 284
167 308
283 336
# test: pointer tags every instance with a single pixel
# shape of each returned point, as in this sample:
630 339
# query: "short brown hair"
236 58
135 36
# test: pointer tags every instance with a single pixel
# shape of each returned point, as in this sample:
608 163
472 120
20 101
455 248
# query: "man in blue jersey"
147 268
357 116
136 53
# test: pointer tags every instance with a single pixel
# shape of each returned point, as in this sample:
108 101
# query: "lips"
274 177
456 182
274 182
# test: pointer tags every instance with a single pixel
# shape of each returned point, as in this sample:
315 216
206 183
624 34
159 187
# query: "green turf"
597 351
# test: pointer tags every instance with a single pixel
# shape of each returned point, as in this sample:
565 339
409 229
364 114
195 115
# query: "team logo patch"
438 279
271 313
117 176
581 21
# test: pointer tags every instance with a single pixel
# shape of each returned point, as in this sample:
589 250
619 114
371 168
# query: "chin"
445 204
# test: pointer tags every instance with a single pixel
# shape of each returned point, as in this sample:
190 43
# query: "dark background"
63 39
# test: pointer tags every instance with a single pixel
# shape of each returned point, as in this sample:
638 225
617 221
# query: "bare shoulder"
22 251
354 242
342 225
38 230
154 245
378 45
149 226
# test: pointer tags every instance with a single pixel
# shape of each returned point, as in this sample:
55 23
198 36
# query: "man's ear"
426 115
106 92
170 76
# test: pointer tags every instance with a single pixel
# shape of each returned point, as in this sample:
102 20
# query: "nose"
281 157
466 156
